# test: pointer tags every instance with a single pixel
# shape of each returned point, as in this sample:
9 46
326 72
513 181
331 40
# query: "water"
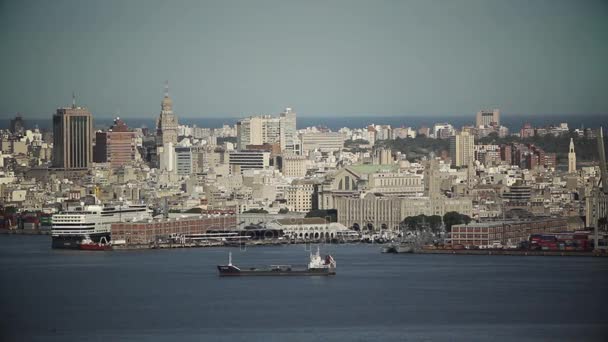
176 295
513 122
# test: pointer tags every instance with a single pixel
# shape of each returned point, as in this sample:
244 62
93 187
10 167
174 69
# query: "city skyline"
343 58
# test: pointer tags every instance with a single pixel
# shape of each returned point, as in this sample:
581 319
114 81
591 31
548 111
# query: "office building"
72 138
247 160
267 129
322 142
115 146
488 118
462 149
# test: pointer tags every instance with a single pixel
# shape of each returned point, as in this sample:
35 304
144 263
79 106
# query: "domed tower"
166 125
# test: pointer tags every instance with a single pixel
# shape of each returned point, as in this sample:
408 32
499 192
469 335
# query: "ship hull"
231 271
73 241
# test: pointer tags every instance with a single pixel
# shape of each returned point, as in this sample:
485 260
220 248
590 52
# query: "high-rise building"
266 129
115 146
72 138
488 118
184 160
17 126
462 149
571 158
289 135
166 125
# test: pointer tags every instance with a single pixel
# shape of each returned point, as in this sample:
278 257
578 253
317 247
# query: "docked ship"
89 245
317 266
92 223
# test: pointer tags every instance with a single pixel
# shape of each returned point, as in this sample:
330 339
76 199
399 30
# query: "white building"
324 142
246 160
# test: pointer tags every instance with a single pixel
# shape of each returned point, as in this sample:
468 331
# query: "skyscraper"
488 118
571 158
462 149
289 137
166 125
72 137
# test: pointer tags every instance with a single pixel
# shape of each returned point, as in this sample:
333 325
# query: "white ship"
93 222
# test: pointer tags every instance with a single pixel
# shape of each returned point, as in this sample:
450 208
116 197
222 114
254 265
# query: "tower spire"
73 99
571 157
167 88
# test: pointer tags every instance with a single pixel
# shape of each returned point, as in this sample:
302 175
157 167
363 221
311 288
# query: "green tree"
451 218
255 211
331 214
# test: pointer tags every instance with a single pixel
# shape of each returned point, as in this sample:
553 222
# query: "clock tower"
166 125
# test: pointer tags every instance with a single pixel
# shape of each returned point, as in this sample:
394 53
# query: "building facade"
166 125
487 118
462 149
246 160
115 146
323 142
72 138
294 166
506 232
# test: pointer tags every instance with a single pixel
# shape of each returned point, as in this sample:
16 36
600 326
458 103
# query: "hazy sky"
232 58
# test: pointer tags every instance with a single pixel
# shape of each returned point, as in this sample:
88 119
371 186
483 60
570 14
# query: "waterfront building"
509 232
146 232
72 138
375 211
310 228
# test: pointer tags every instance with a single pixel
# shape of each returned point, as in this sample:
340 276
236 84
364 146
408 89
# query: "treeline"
586 149
434 222
416 148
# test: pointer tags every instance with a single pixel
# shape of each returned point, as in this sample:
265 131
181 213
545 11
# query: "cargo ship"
93 222
317 266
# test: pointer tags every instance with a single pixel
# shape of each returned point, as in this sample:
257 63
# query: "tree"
434 222
283 211
451 218
255 211
331 215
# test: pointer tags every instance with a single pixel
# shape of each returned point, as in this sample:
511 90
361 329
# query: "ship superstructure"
317 266
93 222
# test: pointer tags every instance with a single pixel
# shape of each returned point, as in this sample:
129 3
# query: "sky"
323 58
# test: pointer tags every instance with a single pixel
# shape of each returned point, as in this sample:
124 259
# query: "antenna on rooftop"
73 99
